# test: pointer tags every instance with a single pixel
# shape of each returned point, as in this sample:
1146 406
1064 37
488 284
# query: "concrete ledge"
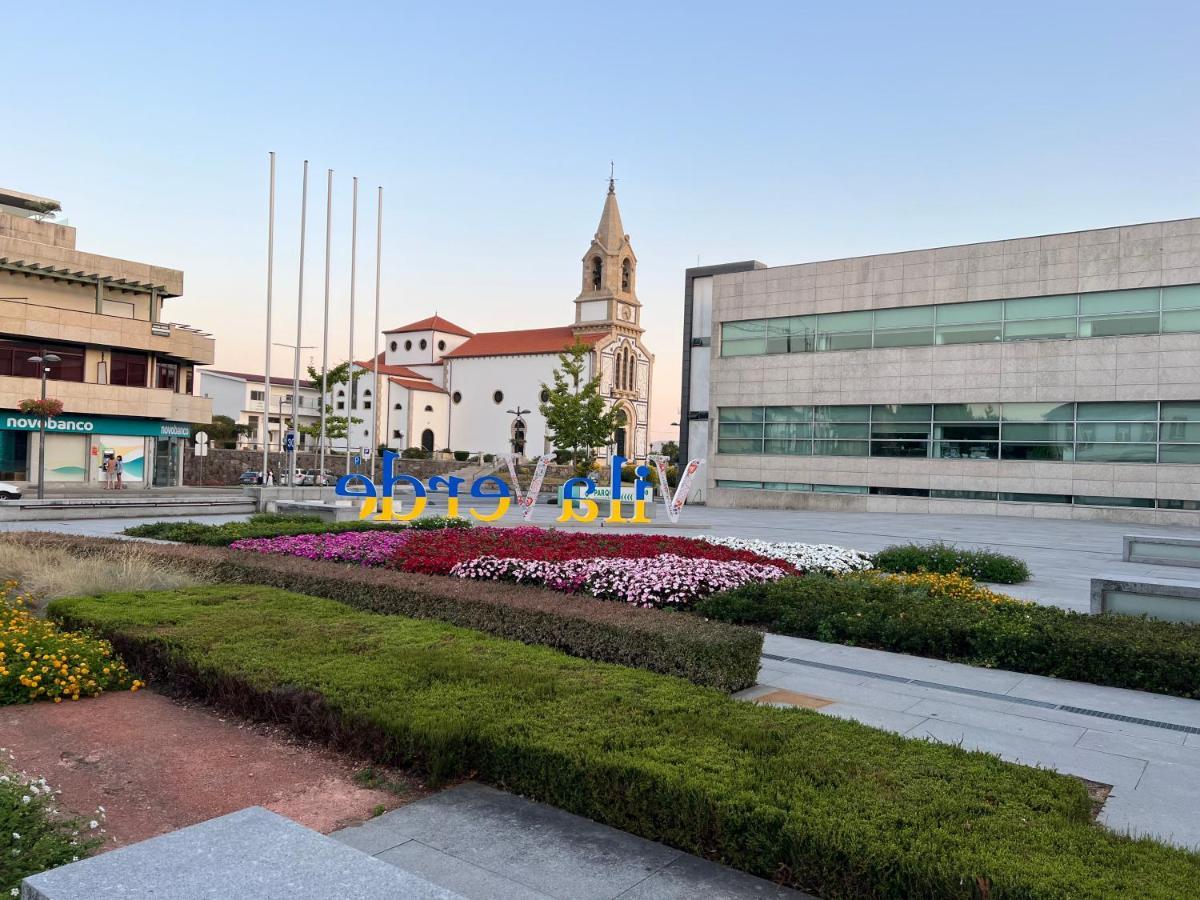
252 854
327 512
1160 550
106 508
1171 601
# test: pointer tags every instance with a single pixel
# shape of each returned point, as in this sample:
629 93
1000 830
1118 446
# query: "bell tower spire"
608 299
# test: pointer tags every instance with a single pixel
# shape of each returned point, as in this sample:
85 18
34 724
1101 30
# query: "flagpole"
378 269
350 364
266 430
325 339
299 327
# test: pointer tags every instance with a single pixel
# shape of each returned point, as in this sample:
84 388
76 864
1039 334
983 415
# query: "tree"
576 414
335 425
222 432
670 450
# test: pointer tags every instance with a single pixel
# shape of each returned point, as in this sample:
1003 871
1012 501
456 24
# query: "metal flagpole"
299 326
375 408
266 430
350 366
325 340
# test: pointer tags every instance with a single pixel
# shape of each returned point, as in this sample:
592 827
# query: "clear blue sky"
784 132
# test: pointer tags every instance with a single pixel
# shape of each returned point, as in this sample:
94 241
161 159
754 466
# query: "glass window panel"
1039 431
744 348
900 491
805 342
968 334
1115 326
900 448
842 413
1181 320
1034 498
749 485
1179 504
1184 296
840 448
1180 431
906 337
1179 453
789 430
963 313
904 317
967 412
753 430
736 331
904 412
727 445
983 431
1084 500
1116 432
1181 410
1038 412
1109 302
802 324
848 321
1042 307
966 450
775 485
799 486
740 413
1117 412
777 335
860 340
1041 329
962 495
789 448
841 430
900 429
789 413
840 488
1048 452
1088 452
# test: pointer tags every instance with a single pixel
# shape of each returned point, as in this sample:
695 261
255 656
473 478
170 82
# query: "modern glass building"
1055 375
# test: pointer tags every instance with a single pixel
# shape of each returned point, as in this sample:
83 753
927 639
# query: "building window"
14 360
408 345
597 273
498 396
255 395
456 396
129 369
396 433
544 396
393 345
428 408
441 345
341 404
167 376
626 275
397 406
424 343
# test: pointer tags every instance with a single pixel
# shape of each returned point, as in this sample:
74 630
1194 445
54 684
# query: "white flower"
93 824
14 893
26 799
16 836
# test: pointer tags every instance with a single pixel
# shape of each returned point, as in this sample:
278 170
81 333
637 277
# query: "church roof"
423 384
531 341
433 323
611 233
385 369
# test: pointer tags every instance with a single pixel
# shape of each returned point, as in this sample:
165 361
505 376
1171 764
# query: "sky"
784 132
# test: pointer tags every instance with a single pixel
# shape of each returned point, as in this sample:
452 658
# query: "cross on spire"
612 182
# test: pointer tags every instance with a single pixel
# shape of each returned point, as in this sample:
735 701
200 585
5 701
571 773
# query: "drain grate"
991 695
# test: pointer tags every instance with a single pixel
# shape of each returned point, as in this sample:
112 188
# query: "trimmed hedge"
982 565
267 525
872 611
709 653
813 801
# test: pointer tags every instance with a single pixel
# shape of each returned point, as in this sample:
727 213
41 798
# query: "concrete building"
1043 376
241 396
125 375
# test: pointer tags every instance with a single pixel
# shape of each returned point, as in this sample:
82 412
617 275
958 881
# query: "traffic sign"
289 441
366 452
201 440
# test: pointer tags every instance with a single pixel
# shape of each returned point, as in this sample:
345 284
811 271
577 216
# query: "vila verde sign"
581 497
94 425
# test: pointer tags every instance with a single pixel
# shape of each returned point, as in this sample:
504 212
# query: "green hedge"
268 525
709 653
981 565
823 804
869 611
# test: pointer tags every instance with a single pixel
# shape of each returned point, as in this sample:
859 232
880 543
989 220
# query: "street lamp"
43 362
517 414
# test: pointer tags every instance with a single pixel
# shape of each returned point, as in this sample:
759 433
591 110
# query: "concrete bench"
252 854
1171 601
327 512
1160 550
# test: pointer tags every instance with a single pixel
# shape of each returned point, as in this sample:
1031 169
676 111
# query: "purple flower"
370 548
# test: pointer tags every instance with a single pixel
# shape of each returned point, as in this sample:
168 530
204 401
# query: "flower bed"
827 558
264 525
39 836
370 548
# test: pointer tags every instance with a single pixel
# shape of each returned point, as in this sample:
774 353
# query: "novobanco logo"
581 497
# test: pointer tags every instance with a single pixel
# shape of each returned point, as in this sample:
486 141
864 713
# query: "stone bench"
1171 601
1160 550
252 854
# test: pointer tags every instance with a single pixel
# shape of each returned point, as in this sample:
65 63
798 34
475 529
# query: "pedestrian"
119 468
270 478
109 466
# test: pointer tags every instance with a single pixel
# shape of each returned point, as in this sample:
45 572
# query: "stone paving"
483 844
1153 764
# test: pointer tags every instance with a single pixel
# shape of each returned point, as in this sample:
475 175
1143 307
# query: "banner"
675 504
528 499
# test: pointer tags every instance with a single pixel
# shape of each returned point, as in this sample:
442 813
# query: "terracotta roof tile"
385 369
433 323
521 343
258 379
418 385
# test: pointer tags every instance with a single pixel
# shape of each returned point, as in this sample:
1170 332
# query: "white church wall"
477 422
416 348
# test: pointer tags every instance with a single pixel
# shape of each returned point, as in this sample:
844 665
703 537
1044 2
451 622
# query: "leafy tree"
670 449
222 432
576 414
335 425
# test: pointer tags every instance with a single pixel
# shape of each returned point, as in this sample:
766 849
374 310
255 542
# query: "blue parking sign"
289 441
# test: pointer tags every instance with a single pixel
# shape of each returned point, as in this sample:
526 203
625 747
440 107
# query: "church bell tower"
608 299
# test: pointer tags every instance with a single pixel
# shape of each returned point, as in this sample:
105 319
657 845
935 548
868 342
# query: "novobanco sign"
582 497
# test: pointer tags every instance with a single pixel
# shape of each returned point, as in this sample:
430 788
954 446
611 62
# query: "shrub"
489 457
38 836
709 653
936 616
39 661
462 455
805 557
268 526
415 453
982 565
823 804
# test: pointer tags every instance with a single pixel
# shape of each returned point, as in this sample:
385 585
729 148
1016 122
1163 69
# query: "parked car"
314 478
9 491
248 477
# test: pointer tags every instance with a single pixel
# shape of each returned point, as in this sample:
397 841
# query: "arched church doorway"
518 437
620 436
427 440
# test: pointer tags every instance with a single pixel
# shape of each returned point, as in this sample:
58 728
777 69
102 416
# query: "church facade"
444 386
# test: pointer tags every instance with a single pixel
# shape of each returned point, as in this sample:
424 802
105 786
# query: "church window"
456 396
498 397
408 345
396 433
441 345
428 408
618 358
394 345
597 272
626 275
544 396
424 343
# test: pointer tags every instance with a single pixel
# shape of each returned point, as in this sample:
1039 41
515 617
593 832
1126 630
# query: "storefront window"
14 455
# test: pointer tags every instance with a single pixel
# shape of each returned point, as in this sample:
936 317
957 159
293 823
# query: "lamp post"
44 362
517 414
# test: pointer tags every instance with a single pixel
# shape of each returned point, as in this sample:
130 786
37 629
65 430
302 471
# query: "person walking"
119 469
108 466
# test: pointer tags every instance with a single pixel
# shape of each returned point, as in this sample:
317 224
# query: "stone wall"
224 466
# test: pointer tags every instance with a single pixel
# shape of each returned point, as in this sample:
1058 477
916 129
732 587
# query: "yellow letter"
418 507
570 515
501 509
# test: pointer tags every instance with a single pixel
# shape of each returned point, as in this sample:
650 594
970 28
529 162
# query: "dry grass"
48 572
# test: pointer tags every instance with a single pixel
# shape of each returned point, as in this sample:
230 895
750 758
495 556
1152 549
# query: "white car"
9 491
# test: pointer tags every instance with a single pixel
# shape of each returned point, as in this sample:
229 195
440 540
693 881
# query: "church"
445 387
